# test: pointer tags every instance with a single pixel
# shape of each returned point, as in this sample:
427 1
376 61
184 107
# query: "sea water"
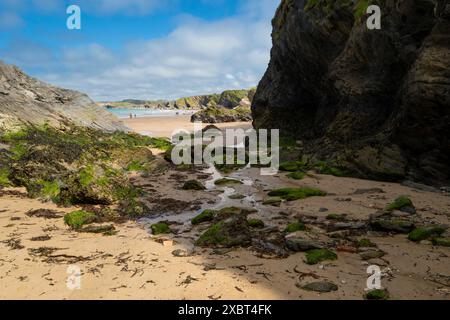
123 113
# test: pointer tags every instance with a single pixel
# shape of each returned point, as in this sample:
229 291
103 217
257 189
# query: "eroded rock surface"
374 101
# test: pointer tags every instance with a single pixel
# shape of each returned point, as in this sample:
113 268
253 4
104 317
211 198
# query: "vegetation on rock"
205 216
318 255
377 294
424 233
292 194
227 181
76 165
77 219
256 223
193 185
400 203
294 227
160 228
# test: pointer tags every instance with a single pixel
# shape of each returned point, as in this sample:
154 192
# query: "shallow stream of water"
222 202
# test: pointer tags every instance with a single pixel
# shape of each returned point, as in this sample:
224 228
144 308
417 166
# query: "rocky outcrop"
375 102
25 100
223 115
229 99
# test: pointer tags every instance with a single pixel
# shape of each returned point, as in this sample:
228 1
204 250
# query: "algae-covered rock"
77 219
160 228
402 204
426 232
294 227
371 254
293 166
256 223
76 165
193 185
228 212
298 244
392 225
336 217
227 181
205 216
377 294
272 201
231 232
321 287
365 243
443 242
318 255
292 194
105 229
298 175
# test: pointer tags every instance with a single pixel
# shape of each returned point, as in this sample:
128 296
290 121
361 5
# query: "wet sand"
165 126
35 252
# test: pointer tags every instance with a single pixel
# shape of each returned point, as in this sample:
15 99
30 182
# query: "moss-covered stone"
318 255
193 185
372 254
160 228
298 175
291 194
377 294
293 166
424 233
325 168
256 223
227 181
76 165
229 212
365 243
4 177
336 217
400 203
205 216
77 219
443 242
321 287
392 225
231 232
294 227
273 201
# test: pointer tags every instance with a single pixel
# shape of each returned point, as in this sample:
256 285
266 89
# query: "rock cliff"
375 102
229 99
25 100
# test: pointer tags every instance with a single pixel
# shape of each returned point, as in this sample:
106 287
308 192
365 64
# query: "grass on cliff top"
327 6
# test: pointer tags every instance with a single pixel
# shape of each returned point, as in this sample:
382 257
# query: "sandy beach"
38 252
166 126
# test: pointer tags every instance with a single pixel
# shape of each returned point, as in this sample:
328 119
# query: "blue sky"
142 49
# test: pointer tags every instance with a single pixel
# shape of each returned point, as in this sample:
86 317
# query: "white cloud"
10 20
197 57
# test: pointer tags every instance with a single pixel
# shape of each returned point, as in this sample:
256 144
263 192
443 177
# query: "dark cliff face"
376 102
